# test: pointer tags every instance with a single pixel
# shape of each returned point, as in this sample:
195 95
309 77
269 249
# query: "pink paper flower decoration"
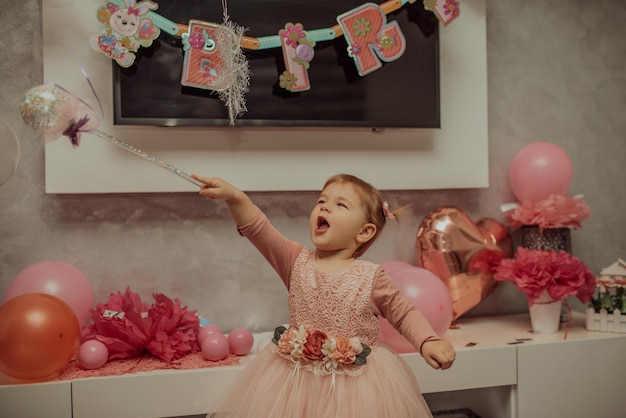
558 211
131 328
174 329
560 274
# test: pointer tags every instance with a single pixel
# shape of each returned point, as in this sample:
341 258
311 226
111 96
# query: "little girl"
328 363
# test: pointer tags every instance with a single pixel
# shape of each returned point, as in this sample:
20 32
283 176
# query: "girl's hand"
438 354
216 188
241 207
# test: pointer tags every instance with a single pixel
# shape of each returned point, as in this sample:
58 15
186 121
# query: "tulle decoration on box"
130 327
557 211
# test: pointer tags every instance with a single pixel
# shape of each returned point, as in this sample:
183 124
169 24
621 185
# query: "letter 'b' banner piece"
205 65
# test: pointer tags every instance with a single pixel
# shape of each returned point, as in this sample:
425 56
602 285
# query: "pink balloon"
395 340
215 347
208 330
93 354
392 266
540 170
427 292
58 279
240 341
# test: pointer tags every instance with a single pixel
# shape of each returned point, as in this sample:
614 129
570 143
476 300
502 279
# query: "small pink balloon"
540 170
208 330
93 354
240 341
58 279
215 347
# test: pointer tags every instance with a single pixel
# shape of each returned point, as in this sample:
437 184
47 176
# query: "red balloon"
540 170
424 290
58 279
39 334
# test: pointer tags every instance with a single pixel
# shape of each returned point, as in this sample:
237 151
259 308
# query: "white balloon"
9 152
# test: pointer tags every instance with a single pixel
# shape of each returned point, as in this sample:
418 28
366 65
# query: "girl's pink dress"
346 304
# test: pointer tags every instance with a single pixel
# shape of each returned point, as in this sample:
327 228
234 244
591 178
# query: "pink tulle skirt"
270 387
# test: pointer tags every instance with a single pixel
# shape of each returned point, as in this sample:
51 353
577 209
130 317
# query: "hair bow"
387 212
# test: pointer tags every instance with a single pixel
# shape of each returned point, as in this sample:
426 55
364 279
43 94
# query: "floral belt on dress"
320 353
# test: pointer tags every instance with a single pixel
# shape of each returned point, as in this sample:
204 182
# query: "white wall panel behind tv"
269 159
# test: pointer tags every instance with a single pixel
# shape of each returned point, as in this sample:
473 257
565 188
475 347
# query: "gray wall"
555 73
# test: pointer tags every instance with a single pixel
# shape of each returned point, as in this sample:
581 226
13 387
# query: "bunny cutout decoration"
127 28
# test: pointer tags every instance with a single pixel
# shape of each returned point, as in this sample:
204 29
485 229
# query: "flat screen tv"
403 93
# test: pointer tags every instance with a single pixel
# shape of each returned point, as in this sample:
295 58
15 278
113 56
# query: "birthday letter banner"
213 52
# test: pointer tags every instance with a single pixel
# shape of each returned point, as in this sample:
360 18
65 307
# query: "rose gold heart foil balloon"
463 254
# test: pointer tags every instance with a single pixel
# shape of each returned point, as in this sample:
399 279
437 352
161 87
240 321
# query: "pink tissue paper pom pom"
558 211
559 273
130 328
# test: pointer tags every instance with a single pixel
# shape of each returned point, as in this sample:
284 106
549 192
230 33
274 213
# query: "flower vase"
545 314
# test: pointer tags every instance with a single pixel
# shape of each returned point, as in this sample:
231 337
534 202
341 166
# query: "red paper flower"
174 329
559 274
129 327
121 324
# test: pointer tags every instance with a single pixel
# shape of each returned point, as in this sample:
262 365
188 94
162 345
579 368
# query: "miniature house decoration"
607 310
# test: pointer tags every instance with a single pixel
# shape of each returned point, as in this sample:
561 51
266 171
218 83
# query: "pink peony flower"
292 342
345 350
284 343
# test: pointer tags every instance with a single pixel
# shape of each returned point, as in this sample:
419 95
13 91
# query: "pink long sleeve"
279 251
391 305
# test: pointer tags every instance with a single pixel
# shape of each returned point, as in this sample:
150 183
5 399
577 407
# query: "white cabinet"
502 370
579 378
48 399
154 394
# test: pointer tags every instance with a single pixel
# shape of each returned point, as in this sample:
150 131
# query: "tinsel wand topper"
54 112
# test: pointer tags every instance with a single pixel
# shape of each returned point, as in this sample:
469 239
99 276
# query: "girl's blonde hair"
373 204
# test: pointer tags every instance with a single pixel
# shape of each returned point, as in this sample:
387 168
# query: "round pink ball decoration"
214 347
93 354
208 330
240 341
